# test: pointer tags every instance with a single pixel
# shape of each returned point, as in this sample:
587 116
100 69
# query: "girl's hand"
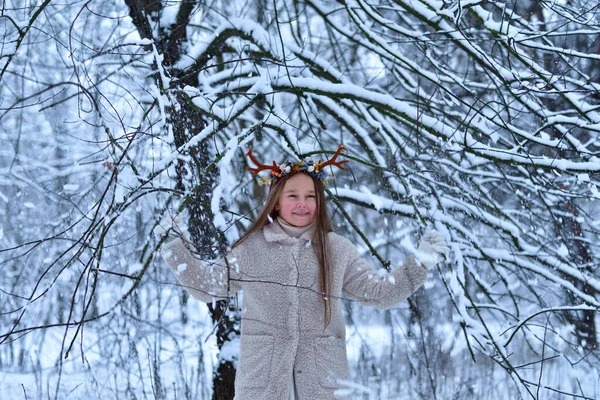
168 225
431 249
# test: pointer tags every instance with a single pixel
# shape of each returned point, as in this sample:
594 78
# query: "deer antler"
332 161
261 167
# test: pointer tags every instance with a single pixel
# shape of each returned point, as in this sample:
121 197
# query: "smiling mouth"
301 214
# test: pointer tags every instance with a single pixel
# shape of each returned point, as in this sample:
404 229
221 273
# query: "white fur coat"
282 311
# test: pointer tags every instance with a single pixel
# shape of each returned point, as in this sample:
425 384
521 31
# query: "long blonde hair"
322 226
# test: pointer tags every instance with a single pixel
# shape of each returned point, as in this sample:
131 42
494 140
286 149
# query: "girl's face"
297 204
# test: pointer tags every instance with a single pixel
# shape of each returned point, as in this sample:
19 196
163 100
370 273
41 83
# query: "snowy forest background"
478 118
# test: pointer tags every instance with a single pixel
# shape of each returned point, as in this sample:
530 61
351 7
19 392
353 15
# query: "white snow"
181 268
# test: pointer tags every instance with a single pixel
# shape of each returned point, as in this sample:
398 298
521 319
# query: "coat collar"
274 233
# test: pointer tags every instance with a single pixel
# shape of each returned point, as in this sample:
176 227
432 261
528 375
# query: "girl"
294 270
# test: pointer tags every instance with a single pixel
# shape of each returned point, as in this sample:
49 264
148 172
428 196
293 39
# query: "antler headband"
315 168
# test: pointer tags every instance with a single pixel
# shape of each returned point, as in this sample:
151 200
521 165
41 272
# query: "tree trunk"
208 240
583 321
192 176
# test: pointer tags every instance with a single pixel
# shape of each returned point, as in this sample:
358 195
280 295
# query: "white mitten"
169 226
431 249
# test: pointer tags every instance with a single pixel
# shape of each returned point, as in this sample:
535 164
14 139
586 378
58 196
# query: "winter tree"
478 119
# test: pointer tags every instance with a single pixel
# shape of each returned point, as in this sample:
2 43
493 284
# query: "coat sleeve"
380 288
206 281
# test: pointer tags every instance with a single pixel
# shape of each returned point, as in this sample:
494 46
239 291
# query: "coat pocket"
256 356
331 361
